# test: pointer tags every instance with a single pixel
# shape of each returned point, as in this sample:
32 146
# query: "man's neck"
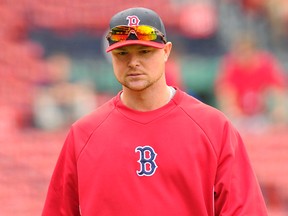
146 100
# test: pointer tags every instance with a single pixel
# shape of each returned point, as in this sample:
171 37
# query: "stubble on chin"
136 85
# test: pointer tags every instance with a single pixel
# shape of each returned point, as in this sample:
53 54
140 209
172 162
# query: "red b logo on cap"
133 20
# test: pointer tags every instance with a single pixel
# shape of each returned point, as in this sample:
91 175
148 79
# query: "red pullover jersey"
182 159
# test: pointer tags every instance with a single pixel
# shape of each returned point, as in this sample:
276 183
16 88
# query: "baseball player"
152 149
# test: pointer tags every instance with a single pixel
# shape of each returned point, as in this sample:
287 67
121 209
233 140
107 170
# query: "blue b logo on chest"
147 160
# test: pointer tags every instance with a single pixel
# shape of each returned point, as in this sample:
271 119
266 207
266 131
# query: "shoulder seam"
201 130
89 136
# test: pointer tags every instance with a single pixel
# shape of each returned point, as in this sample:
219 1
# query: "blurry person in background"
58 101
251 83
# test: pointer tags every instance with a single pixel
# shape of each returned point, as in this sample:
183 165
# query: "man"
152 149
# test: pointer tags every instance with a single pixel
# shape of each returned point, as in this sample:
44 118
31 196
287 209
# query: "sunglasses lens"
146 33
121 33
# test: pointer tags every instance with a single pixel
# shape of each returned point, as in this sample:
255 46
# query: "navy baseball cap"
125 25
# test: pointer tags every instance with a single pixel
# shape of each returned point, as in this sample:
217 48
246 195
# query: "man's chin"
137 86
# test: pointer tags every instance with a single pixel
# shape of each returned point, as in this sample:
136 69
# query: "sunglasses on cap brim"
142 32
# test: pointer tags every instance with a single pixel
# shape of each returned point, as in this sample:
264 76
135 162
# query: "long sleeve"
62 197
236 189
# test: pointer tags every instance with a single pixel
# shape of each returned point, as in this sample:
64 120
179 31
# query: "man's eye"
122 53
145 51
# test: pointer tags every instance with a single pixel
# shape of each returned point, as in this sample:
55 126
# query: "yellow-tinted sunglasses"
142 32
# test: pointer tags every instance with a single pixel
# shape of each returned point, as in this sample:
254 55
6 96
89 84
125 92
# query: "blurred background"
230 54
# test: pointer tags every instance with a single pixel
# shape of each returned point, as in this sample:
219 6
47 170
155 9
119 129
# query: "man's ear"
167 50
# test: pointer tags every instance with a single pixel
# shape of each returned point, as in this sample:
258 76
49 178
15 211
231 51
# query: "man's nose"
133 61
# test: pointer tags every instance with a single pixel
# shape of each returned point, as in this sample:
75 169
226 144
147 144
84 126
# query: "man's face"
138 67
